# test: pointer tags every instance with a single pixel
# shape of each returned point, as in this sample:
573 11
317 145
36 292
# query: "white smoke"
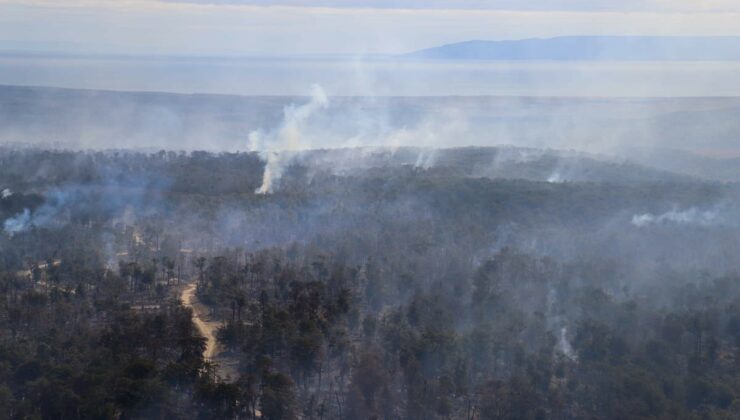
18 223
691 216
564 346
555 178
5 193
277 147
353 125
46 215
426 158
508 153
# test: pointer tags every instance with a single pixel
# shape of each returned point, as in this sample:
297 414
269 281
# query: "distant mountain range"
638 48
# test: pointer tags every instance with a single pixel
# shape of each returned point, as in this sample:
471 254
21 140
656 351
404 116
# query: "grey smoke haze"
325 193
311 126
538 228
341 76
687 216
638 129
109 190
48 214
18 223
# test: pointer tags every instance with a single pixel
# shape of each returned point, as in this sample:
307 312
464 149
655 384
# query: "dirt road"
200 318
226 363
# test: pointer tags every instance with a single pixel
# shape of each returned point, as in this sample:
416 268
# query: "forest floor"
226 365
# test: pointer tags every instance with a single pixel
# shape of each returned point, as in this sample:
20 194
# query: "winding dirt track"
206 328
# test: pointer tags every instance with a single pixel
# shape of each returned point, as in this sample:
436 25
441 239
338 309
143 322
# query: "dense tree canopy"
386 291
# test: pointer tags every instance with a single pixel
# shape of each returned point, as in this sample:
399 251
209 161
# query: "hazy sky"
355 27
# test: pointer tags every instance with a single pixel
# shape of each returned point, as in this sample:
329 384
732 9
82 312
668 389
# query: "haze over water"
375 76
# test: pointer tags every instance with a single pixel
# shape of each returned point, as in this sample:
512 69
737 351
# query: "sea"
374 76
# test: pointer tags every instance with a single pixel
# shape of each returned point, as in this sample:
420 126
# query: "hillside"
590 48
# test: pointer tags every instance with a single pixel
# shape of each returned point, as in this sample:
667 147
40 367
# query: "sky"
347 27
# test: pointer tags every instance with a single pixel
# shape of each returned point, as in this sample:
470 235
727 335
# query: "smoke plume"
691 216
278 147
17 223
564 346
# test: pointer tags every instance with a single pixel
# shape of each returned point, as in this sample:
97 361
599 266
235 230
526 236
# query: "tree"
278 399
200 264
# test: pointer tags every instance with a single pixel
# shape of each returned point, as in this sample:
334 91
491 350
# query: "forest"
368 283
